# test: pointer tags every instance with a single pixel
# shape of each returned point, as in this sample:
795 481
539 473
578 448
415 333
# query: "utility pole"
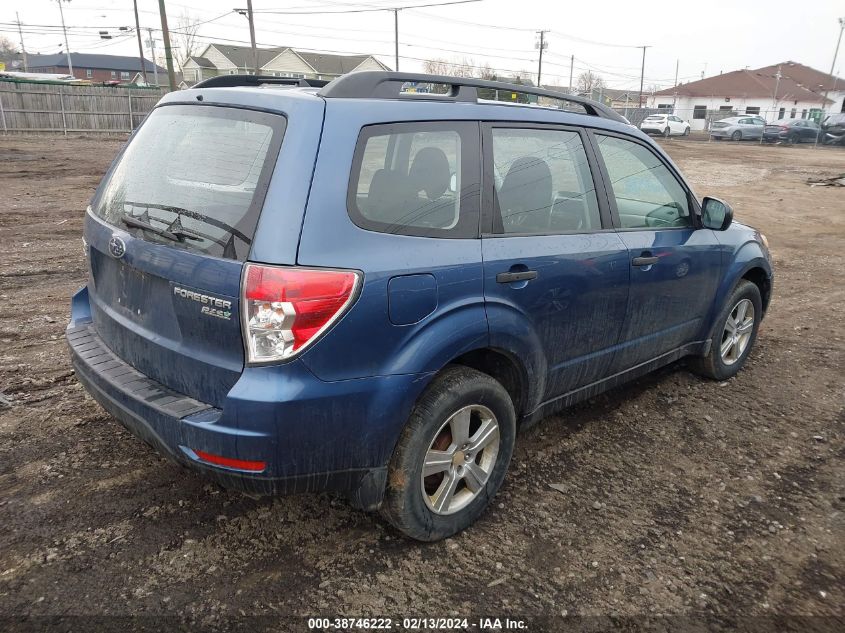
140 46
168 56
542 45
396 37
838 42
152 44
23 48
832 63
571 68
249 16
675 97
642 74
64 29
777 85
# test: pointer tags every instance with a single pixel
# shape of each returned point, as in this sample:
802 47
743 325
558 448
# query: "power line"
372 9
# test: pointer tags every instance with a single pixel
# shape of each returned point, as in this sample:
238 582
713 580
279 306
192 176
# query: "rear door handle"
643 261
523 275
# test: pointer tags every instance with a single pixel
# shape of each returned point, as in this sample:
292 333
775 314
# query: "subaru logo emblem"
117 247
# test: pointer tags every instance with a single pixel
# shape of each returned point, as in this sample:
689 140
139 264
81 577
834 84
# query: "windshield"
194 177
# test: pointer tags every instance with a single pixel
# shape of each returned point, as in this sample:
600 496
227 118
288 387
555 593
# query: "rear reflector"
285 308
228 462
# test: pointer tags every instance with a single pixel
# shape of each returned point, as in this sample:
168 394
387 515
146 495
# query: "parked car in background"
738 128
665 124
792 131
289 289
833 129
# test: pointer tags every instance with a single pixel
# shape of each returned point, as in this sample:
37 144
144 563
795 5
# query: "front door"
674 264
555 272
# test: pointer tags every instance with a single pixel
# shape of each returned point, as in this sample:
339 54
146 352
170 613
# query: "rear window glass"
197 174
417 179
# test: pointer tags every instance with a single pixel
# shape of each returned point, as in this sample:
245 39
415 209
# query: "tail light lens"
284 308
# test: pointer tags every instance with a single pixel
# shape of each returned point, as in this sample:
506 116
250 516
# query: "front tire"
666 133
686 131
733 334
736 136
452 455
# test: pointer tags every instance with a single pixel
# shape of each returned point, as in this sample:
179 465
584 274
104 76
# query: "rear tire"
466 468
733 335
736 136
794 139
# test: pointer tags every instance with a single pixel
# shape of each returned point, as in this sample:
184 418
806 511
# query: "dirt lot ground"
680 496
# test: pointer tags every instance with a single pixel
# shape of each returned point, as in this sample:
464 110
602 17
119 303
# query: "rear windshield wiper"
194 215
175 235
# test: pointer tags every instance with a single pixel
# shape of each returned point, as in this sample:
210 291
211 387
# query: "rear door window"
417 179
194 177
542 182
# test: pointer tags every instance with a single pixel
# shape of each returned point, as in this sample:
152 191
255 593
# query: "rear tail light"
284 309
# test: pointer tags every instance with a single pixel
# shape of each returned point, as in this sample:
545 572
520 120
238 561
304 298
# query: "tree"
457 67
8 51
588 81
184 37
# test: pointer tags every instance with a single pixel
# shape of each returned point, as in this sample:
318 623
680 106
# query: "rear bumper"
775 136
312 435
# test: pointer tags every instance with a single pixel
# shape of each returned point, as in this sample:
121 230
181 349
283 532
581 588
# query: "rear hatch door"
167 235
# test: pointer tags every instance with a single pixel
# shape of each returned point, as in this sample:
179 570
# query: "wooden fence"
42 107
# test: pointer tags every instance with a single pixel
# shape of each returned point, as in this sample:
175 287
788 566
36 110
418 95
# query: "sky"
700 37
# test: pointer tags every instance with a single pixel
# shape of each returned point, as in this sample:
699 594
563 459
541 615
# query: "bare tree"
485 71
464 67
8 50
588 81
184 37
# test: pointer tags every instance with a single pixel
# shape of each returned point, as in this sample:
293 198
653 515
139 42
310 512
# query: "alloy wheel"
460 459
737 332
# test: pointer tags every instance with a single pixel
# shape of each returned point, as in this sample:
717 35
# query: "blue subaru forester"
371 285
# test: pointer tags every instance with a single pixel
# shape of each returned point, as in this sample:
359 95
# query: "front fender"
749 255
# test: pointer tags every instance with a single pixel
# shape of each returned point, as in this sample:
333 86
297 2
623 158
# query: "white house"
222 59
780 91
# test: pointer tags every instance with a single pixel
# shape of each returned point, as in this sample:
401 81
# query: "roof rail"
227 81
388 85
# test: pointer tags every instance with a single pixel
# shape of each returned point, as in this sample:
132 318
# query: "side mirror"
716 214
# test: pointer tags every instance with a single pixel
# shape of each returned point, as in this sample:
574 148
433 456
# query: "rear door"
167 234
555 273
756 126
674 264
676 124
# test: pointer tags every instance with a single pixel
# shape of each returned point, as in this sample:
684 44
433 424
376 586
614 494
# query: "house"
282 61
616 98
107 68
785 90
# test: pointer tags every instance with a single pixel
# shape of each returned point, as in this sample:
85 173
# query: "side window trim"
488 177
694 206
470 196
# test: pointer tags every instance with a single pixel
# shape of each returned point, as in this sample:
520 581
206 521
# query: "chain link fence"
701 120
